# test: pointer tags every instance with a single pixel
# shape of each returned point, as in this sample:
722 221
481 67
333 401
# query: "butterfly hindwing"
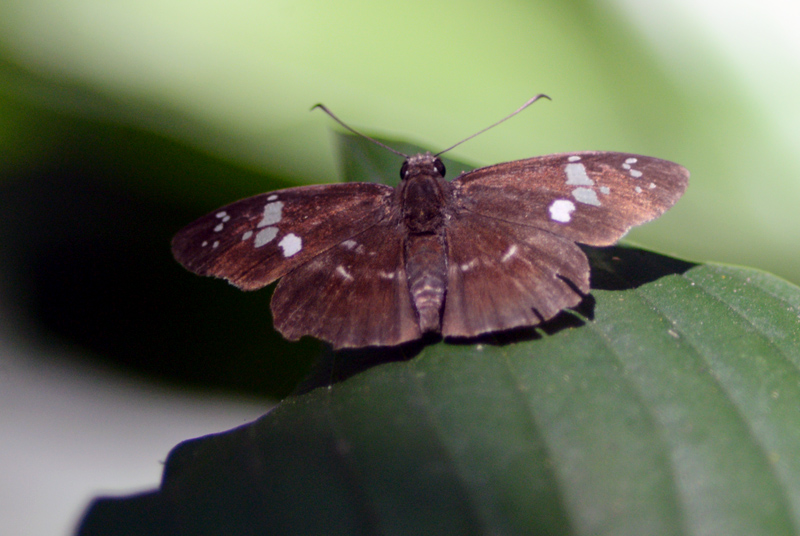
354 294
591 197
503 275
255 241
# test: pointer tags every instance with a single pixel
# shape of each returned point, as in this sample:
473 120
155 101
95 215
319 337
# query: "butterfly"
363 264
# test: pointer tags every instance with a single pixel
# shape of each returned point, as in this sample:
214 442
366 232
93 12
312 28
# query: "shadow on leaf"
626 267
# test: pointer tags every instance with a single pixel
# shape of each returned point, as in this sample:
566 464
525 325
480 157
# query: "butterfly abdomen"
426 270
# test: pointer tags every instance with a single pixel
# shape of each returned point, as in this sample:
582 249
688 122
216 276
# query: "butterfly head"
422 164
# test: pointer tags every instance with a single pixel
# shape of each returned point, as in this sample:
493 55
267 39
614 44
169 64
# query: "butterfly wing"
590 197
512 232
352 295
254 241
503 275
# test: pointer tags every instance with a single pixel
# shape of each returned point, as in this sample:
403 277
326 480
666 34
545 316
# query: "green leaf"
668 403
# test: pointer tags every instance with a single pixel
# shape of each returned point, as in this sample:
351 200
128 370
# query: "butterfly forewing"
589 197
354 294
503 275
255 241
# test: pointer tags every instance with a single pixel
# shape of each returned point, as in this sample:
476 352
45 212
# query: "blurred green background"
120 122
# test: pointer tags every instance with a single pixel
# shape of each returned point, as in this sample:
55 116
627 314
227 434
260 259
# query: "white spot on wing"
574 158
344 273
510 253
631 160
635 173
605 190
576 174
469 265
638 190
626 166
272 214
652 185
205 243
215 244
586 196
291 244
561 209
273 197
224 217
386 275
247 235
265 236
349 244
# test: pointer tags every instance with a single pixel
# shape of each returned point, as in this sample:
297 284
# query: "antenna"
354 131
512 114
357 133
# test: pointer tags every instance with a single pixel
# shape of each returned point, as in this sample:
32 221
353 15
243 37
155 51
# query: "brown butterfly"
364 264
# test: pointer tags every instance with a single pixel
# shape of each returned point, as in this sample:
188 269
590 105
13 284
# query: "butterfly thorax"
424 195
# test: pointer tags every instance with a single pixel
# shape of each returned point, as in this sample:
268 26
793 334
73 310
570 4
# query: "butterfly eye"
403 170
439 167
